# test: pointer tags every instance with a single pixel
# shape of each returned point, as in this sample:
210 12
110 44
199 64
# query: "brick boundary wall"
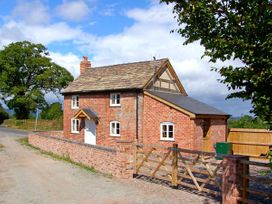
115 161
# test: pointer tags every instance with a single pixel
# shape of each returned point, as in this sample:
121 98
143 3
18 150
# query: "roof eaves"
102 90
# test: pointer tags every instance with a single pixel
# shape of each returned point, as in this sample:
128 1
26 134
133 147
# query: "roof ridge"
107 66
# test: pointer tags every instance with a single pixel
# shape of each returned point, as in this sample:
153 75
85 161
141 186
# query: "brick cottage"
142 102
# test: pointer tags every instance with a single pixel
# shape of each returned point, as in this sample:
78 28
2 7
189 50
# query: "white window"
115 99
75 125
75 102
114 128
167 131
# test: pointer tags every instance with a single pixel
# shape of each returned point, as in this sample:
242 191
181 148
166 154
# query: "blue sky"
111 32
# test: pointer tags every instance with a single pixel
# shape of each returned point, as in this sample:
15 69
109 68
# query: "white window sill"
115 135
167 140
75 132
115 105
75 107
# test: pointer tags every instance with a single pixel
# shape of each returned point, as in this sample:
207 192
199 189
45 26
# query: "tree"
53 111
247 121
3 114
27 73
229 30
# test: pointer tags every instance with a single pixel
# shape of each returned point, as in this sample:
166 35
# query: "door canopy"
86 113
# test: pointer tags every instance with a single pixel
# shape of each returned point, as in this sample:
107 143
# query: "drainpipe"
137 116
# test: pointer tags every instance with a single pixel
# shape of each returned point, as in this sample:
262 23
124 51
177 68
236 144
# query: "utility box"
223 148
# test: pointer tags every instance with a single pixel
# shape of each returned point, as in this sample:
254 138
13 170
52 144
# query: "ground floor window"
75 125
167 131
115 128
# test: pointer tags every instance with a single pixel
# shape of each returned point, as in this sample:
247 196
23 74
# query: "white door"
90 132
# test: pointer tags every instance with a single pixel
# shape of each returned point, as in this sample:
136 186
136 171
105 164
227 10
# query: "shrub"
3 114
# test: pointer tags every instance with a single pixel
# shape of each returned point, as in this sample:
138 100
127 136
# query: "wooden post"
175 166
245 182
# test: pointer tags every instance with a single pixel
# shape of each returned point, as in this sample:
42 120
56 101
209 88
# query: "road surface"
26 176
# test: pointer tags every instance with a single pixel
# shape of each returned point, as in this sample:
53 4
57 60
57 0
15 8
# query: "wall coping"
108 149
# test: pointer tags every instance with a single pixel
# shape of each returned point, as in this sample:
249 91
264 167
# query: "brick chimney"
84 64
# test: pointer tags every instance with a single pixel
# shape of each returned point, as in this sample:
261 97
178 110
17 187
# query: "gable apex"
165 79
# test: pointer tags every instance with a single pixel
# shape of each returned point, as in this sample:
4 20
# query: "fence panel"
250 142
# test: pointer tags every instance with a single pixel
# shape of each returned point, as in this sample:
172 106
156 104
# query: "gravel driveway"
26 176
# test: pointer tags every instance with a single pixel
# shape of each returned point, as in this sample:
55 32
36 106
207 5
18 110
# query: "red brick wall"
217 133
155 112
116 161
100 103
187 132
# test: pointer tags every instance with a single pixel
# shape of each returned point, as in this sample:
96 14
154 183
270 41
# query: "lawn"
29 124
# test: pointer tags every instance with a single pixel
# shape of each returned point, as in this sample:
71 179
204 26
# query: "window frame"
75 102
167 138
113 99
72 125
111 129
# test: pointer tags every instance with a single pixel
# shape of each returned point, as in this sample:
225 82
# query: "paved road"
26 176
13 132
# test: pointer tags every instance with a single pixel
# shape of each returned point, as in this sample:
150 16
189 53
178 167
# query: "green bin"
223 148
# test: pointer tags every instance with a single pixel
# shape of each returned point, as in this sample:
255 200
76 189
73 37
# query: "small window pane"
164 131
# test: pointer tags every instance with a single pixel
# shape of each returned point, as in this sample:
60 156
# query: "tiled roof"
115 77
188 103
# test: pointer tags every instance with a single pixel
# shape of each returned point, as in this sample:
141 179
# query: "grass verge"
29 124
1 147
24 141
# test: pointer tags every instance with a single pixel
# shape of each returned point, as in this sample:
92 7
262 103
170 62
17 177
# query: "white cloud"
31 12
69 61
76 10
58 32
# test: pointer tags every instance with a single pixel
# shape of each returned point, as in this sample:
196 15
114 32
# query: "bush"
53 111
3 114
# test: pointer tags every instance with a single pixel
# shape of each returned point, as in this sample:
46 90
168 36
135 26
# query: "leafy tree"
53 111
234 29
247 121
26 74
3 114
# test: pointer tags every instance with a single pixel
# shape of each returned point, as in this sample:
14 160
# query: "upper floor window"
115 128
74 125
167 131
75 102
115 99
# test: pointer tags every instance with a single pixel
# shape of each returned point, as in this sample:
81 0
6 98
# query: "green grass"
24 141
29 124
1 147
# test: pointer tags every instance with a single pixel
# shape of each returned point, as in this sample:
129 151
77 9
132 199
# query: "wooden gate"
180 167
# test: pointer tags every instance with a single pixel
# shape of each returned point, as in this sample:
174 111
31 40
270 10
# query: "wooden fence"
194 169
256 182
250 142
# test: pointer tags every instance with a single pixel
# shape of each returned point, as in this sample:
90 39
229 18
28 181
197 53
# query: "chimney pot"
84 64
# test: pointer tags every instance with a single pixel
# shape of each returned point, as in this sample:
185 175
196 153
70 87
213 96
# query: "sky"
113 32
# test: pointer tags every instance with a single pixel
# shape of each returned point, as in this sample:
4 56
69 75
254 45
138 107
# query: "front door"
90 132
